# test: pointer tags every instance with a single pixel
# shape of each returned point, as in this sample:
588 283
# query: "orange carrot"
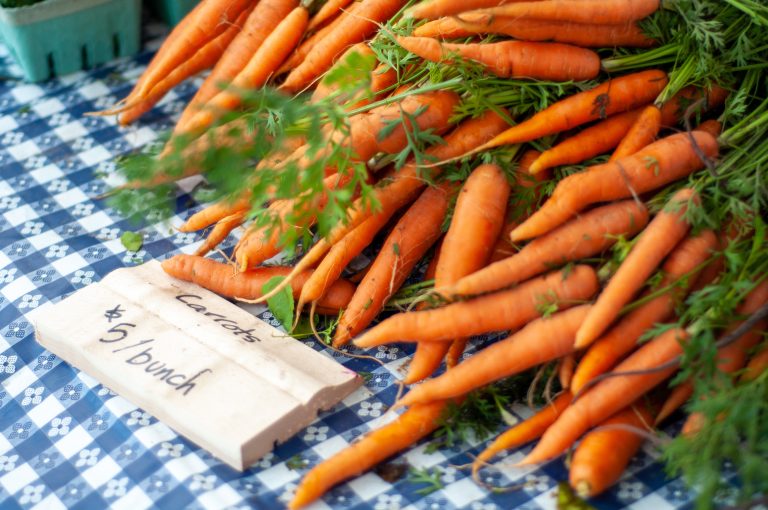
733 356
513 59
221 279
300 53
495 312
264 18
526 29
610 395
660 163
711 126
360 456
329 9
476 222
587 235
341 254
436 8
587 143
325 89
443 28
614 96
656 241
350 30
674 110
565 370
525 431
605 12
214 213
602 456
542 340
220 231
757 365
415 232
679 272
395 193
642 133
205 58
262 64
204 23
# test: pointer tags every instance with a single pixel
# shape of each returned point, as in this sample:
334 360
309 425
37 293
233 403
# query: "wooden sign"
211 371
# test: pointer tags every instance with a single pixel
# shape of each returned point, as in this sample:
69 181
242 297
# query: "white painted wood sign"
211 371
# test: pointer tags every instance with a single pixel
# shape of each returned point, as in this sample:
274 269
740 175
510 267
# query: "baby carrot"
220 232
654 243
613 12
214 213
501 311
587 235
435 8
660 163
525 431
542 340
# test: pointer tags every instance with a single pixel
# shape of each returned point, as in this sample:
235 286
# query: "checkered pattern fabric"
66 441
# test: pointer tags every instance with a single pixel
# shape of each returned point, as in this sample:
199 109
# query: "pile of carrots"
532 276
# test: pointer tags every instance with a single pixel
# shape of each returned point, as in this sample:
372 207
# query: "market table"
66 441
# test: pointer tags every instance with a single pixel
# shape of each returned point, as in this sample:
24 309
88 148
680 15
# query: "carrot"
395 193
220 278
350 30
732 357
602 456
443 28
675 108
300 53
610 395
587 143
614 96
513 59
526 29
264 18
205 58
757 365
341 254
360 456
524 432
214 213
711 126
325 89
565 370
597 12
587 235
260 244
415 232
544 339
655 242
204 23
660 163
495 312
220 232
476 222
262 64
679 270
642 133
329 9
432 9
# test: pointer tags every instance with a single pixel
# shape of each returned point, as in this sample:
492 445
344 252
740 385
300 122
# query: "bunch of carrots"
581 227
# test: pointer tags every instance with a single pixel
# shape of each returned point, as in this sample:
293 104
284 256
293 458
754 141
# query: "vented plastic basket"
172 11
56 37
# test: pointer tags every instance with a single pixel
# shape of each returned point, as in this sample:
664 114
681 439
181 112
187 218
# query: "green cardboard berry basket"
171 11
56 37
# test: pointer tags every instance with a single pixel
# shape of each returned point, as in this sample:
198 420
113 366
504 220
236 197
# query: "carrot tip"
583 489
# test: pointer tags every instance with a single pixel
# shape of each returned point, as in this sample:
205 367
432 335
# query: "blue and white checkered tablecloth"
66 441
